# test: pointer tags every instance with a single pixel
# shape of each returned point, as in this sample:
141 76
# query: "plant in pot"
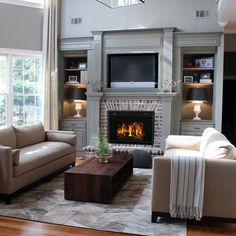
103 149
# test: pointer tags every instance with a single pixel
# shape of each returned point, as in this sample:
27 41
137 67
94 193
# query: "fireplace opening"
131 127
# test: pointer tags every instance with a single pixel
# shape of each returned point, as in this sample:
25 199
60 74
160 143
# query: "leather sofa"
29 153
220 174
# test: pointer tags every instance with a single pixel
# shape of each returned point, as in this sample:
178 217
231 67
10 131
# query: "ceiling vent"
200 14
76 21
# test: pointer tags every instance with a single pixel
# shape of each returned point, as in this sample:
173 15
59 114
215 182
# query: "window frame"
10 53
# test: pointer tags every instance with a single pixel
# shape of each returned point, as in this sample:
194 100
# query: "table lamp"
77 95
197 96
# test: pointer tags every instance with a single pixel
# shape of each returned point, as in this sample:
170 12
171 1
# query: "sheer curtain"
51 65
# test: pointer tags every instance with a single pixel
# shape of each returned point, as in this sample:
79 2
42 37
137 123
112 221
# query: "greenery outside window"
21 102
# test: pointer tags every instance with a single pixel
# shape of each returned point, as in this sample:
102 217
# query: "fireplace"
131 127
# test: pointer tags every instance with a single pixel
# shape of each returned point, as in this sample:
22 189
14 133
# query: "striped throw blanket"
187 186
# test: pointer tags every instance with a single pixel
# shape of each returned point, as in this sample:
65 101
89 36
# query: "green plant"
103 145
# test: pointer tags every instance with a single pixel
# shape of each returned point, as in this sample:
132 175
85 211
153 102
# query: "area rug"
130 211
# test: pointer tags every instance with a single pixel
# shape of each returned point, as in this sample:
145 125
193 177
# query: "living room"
88 37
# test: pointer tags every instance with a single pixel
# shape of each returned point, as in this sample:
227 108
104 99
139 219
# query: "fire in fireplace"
131 127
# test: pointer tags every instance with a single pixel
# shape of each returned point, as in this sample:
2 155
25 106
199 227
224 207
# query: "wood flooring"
17 227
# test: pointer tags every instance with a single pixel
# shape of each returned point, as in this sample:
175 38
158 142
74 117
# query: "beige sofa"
220 173
29 153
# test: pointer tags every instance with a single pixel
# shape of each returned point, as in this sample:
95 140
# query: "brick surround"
133 105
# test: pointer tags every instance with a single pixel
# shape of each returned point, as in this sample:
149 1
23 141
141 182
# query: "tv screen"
133 70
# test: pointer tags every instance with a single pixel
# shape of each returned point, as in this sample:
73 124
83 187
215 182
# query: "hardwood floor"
17 227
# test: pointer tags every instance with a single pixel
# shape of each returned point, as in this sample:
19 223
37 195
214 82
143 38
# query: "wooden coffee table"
93 181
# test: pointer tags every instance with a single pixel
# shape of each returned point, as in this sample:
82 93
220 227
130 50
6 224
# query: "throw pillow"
7 137
29 134
220 149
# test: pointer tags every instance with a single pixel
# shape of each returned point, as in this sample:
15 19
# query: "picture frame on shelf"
205 76
188 79
82 66
73 79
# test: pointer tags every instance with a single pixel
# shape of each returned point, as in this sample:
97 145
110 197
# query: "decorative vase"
104 157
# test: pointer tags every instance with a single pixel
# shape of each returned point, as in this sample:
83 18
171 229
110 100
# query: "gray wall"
20 27
152 14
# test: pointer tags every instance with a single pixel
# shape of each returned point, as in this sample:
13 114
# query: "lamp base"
196 118
78 108
197 110
77 115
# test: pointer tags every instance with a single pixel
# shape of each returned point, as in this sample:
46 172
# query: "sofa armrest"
6 167
183 142
61 136
220 188
161 184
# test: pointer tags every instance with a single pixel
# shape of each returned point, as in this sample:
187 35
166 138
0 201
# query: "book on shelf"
205 81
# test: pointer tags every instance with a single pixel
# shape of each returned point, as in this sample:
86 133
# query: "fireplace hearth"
131 127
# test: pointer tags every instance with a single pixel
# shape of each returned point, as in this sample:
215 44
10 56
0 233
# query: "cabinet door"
81 139
79 127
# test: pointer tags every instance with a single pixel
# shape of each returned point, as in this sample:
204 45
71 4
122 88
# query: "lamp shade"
197 94
76 94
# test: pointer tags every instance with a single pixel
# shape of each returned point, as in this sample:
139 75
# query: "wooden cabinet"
198 74
80 128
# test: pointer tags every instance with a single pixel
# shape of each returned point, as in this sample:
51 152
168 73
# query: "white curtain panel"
51 65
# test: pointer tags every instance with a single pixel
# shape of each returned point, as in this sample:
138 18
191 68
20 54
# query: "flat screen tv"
133 70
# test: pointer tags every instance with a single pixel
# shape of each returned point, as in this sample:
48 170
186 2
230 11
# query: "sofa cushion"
183 142
34 156
7 137
29 134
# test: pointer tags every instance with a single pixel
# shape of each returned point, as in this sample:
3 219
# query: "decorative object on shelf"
197 96
77 95
82 66
72 65
168 85
72 79
205 78
83 77
104 151
188 79
204 62
120 3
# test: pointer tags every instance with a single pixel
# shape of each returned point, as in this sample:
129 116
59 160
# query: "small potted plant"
103 149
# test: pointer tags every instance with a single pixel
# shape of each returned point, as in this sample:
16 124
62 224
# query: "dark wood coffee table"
93 181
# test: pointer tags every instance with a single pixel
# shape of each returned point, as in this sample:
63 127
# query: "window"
27 3
21 96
